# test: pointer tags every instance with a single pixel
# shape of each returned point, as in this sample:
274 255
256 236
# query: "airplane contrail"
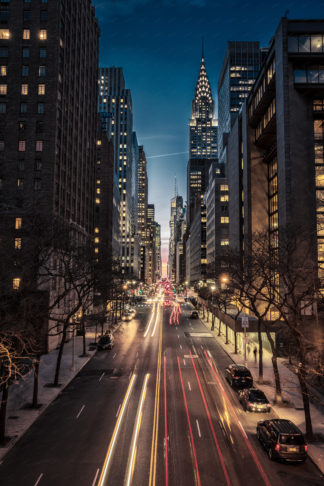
166 155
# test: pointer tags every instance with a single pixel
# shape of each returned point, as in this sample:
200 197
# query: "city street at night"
156 410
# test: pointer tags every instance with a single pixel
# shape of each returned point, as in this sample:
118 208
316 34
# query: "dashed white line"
189 386
95 479
137 354
39 478
208 352
198 428
180 346
243 429
184 362
81 410
114 356
118 410
101 377
193 347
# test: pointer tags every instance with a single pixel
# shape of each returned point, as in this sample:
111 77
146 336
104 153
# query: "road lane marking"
115 433
197 423
157 315
132 460
155 433
180 346
101 377
195 351
150 321
208 352
189 386
39 478
165 427
95 479
118 410
189 425
184 362
114 356
81 410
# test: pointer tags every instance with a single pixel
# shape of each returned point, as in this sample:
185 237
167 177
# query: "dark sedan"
254 400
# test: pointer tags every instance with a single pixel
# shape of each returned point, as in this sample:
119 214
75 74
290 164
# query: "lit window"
3 70
4 34
224 242
96 250
98 190
224 187
24 89
96 240
98 181
224 219
16 283
26 34
39 146
224 198
22 145
97 200
20 184
18 223
41 89
17 243
98 142
3 89
43 34
96 230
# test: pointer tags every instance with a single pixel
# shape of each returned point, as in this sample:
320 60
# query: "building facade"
175 215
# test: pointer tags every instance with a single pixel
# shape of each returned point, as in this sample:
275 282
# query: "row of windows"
311 74
22 145
23 90
21 184
24 70
4 16
265 81
4 51
5 34
24 108
266 118
306 43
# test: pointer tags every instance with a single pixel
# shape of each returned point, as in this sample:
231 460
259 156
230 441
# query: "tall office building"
240 69
203 126
142 207
150 259
115 110
175 215
158 264
48 116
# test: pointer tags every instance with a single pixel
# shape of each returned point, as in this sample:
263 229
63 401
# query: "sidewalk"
293 410
20 418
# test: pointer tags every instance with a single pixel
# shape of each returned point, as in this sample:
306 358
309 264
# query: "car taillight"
268 405
236 377
277 448
306 447
250 404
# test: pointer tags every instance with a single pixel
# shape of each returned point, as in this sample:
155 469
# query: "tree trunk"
59 357
3 411
278 398
304 389
84 342
36 375
219 327
226 334
260 353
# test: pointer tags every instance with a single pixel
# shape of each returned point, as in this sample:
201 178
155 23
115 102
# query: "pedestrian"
255 354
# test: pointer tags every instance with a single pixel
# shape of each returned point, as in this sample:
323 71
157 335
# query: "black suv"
282 439
238 376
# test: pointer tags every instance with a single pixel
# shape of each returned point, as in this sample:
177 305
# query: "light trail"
115 433
247 441
189 424
131 462
220 455
156 320
152 477
165 427
150 322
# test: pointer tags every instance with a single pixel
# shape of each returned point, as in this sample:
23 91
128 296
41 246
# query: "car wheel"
270 454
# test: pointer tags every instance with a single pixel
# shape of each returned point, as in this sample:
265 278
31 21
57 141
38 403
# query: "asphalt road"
156 410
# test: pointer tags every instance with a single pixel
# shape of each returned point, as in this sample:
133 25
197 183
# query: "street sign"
245 322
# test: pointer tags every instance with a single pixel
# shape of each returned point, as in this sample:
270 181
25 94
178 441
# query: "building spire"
175 186
202 48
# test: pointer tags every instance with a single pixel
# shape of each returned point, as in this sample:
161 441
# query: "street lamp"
213 288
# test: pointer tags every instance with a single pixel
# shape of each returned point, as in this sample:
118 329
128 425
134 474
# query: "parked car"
194 315
105 342
282 439
238 376
254 400
127 316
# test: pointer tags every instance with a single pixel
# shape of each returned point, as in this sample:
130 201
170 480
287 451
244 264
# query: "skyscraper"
203 126
175 215
48 117
115 110
240 69
142 206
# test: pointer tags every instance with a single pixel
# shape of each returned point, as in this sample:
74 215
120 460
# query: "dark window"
43 15
21 165
23 107
25 52
42 52
40 108
4 16
39 126
26 15
38 165
37 184
25 70
42 71
3 51
22 125
3 108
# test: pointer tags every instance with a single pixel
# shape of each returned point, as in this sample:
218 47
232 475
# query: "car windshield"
242 373
257 396
291 439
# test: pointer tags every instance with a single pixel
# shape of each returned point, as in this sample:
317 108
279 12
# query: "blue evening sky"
158 45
